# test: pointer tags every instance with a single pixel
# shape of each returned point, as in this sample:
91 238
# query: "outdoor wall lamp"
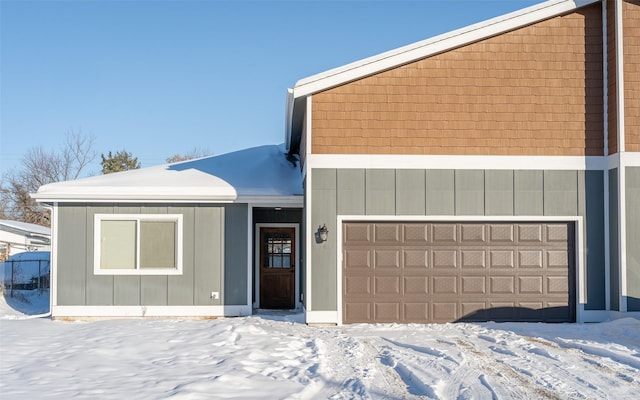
323 232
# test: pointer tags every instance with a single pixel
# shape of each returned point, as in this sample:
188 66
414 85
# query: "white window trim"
98 218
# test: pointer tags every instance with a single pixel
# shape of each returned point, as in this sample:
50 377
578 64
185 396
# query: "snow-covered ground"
274 355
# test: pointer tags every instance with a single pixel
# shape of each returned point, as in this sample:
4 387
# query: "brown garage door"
443 272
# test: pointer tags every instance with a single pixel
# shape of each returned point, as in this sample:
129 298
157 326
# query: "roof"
296 103
24 227
258 174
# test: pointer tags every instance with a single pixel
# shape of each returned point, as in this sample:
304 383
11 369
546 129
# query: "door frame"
256 260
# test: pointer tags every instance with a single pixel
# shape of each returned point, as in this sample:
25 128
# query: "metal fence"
23 275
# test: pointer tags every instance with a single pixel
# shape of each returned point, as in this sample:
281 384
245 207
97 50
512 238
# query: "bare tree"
195 153
40 167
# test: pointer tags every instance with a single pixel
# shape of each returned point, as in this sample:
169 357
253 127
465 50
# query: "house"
17 237
490 173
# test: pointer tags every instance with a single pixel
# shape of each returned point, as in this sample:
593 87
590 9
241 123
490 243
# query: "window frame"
138 218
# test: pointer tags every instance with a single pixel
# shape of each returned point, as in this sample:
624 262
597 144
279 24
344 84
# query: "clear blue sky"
157 78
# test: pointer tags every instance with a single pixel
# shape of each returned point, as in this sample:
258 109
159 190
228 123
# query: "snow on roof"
24 227
260 173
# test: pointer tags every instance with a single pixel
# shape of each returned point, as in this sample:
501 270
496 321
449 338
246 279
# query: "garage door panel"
530 258
444 285
358 285
500 233
557 259
356 233
530 285
387 285
502 285
358 258
417 285
444 258
501 258
558 233
386 233
473 258
444 311
471 234
416 259
387 258
416 312
358 312
529 233
444 234
557 284
474 285
443 272
387 312
416 234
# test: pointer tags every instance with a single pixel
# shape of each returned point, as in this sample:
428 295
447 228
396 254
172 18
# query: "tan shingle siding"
631 44
523 92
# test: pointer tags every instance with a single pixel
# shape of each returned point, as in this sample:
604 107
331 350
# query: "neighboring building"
491 173
17 237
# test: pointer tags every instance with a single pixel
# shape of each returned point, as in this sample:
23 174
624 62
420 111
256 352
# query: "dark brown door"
277 268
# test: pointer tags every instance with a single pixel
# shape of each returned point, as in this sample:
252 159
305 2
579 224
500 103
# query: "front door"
277 268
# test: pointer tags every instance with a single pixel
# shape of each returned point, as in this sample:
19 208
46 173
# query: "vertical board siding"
380 189
180 290
536 90
351 191
323 255
614 260
469 189
591 208
528 192
560 193
410 192
209 226
236 249
71 261
203 253
498 192
99 287
440 192
454 192
631 44
632 182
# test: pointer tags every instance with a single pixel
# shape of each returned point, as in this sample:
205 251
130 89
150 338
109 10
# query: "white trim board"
402 161
580 267
151 311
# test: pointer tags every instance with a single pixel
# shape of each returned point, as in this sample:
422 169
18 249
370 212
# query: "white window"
138 244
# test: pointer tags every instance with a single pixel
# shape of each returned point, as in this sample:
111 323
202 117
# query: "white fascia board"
435 45
288 119
71 198
399 161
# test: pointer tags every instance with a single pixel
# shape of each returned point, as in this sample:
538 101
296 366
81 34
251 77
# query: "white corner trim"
53 267
151 311
250 276
322 317
398 161
435 45
605 79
